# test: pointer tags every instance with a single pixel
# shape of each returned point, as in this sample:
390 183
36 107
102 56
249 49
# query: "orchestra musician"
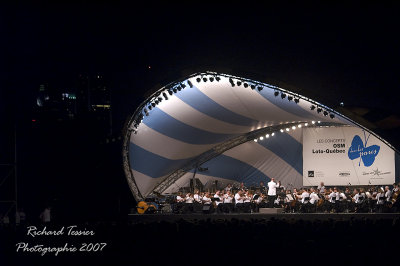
227 202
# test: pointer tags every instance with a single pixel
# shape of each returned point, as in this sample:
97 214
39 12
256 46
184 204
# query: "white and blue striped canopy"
170 133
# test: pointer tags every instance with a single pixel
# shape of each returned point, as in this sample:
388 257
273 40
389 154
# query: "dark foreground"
209 239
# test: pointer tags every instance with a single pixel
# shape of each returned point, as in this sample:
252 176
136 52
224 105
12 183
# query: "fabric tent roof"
210 120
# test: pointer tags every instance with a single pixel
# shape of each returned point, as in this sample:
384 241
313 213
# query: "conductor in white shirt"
271 192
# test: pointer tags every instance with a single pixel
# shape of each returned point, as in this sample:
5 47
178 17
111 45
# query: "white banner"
341 156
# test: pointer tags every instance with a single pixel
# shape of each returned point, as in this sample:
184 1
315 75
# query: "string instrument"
144 207
395 195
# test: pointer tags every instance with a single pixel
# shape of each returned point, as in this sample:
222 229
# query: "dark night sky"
337 52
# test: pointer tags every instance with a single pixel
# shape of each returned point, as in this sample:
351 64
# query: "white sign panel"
346 156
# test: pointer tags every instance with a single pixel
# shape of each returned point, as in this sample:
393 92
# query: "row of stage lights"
286 130
320 110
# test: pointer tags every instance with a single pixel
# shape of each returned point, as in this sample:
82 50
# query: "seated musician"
196 197
262 188
333 198
380 200
388 194
188 203
321 188
313 196
242 187
258 200
358 199
289 199
179 197
178 207
206 199
297 199
228 187
218 200
227 205
247 201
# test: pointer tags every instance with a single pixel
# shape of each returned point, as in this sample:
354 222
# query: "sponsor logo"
359 149
344 173
310 173
376 173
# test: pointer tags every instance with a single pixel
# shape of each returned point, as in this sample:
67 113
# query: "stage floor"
168 217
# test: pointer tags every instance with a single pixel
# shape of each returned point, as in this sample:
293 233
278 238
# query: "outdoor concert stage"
167 217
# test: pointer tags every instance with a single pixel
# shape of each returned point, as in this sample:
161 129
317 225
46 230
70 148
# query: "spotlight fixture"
319 110
260 88
319 122
190 84
156 102
153 104
170 92
211 79
313 122
281 130
198 80
325 113
252 86
160 99
296 100
283 95
183 85
146 113
306 124
332 116
255 140
293 127
175 90
287 129
245 85
239 83
231 82
299 126
205 79
290 98
276 93
272 134
179 88
267 136
312 107
165 96
150 107
217 78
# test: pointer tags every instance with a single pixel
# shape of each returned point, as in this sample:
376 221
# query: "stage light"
260 88
281 130
179 88
190 84
261 138
239 83
313 122
283 95
272 134
312 107
245 85
156 102
293 127
211 79
145 112
306 124
299 126
153 104
319 122
170 92
341 104
255 140
290 98
150 107
205 79
287 129
165 96
198 80
319 110
217 78
332 116
183 85
252 86
160 99
325 113
296 100
276 93
175 90
267 136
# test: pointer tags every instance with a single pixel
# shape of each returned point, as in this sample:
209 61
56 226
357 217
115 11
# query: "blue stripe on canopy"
173 128
287 148
201 102
152 164
229 168
290 107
